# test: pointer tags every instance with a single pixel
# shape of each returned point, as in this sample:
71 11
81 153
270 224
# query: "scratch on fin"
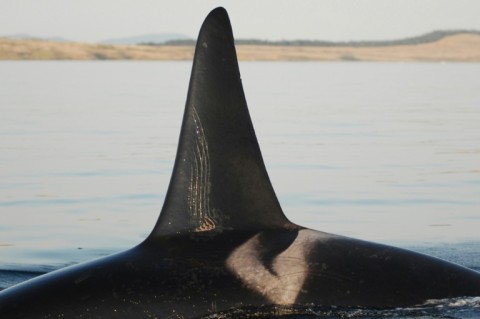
199 190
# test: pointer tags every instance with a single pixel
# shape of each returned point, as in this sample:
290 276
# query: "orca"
222 241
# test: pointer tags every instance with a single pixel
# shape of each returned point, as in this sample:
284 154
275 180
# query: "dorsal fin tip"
218 11
219 181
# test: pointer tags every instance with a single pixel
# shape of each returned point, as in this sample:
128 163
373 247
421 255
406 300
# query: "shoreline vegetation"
438 46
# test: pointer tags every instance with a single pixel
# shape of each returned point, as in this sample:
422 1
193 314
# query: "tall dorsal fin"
219 181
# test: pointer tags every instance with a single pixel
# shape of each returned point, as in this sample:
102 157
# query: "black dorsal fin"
219 181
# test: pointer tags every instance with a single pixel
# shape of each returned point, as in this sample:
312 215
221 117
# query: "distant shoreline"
421 39
446 47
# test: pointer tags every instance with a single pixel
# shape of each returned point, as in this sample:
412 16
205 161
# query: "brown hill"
462 47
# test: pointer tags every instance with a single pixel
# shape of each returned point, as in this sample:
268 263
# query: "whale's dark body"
222 240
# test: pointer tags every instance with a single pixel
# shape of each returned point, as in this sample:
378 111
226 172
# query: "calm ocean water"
383 152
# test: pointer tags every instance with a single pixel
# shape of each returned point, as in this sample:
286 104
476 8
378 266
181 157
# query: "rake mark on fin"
199 191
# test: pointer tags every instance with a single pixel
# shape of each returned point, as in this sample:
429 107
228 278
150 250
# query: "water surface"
385 152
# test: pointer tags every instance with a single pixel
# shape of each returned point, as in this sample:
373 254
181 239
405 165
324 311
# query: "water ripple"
75 201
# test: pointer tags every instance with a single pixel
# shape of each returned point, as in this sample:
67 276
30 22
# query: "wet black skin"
222 240
186 276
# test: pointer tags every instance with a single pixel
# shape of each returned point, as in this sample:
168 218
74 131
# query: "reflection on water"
385 152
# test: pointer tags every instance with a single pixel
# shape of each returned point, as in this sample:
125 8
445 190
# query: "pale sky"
337 20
